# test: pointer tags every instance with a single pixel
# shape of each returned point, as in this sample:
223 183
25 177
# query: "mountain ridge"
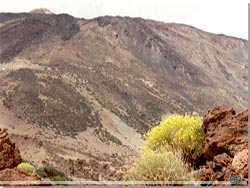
130 17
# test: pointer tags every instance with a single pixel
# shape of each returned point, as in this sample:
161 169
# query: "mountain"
41 11
74 88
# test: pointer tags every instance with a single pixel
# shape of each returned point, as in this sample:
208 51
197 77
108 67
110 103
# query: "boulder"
240 163
225 146
225 131
9 154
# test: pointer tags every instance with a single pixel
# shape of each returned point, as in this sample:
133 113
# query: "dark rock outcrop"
30 29
225 146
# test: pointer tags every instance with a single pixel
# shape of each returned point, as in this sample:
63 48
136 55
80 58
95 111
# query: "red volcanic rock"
222 160
9 153
225 131
225 145
240 161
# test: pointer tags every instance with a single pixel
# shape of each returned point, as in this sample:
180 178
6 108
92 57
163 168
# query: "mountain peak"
41 11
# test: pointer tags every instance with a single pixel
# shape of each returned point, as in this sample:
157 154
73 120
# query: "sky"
229 17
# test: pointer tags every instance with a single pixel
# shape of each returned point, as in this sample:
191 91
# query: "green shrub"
52 173
26 167
159 166
181 132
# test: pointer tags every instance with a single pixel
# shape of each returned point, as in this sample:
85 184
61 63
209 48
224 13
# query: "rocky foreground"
225 152
226 145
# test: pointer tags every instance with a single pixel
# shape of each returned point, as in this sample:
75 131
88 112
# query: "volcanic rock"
240 161
9 153
225 145
225 132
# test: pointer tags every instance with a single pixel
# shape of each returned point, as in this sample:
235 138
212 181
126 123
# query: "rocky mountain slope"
74 89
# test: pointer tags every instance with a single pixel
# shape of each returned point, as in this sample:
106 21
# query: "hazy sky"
229 17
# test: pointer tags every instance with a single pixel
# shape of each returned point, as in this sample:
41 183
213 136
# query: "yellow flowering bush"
26 167
159 166
168 146
181 132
